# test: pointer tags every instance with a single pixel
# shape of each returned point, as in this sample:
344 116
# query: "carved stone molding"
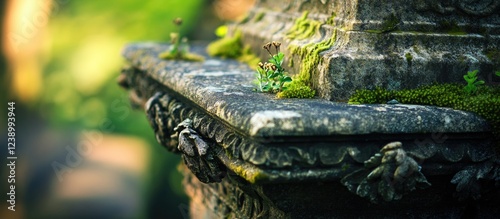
387 175
209 146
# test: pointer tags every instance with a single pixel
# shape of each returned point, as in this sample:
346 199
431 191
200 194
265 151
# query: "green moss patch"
227 47
485 103
303 28
297 89
309 54
182 56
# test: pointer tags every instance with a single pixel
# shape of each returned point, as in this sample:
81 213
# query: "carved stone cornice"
219 133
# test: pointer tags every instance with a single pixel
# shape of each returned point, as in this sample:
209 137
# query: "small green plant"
472 82
179 48
497 73
271 75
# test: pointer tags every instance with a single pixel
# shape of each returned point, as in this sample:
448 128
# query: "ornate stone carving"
471 7
470 179
387 175
205 143
197 154
161 120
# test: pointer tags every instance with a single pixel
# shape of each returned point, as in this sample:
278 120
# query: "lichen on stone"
310 56
303 27
183 56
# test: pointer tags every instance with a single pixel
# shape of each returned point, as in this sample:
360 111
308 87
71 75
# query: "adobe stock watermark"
31 24
75 155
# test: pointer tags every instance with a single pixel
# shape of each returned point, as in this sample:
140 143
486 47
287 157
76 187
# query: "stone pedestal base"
379 43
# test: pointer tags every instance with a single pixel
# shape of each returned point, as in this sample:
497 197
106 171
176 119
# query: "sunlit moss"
297 89
227 47
303 27
309 55
232 47
181 56
252 175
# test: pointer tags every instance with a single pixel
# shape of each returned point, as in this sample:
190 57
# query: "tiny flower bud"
178 21
268 66
267 46
261 65
276 44
273 67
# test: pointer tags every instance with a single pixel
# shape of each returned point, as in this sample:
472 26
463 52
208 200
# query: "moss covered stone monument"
248 154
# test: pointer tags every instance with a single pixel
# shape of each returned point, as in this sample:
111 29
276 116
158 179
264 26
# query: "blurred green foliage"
82 56
81 61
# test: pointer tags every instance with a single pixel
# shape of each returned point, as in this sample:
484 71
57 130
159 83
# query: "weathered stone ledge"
224 88
252 148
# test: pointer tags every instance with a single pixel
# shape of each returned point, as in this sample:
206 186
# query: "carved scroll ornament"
387 175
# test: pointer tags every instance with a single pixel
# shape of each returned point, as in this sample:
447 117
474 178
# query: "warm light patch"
24 23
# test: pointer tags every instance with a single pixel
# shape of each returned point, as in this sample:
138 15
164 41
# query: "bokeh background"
82 151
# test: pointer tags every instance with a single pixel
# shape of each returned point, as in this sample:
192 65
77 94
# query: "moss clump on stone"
297 89
408 57
303 27
485 103
232 47
252 175
227 47
183 56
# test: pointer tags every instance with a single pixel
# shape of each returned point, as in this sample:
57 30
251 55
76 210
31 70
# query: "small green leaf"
497 73
280 56
479 82
287 79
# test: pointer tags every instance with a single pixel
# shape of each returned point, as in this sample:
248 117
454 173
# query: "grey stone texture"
250 155
385 43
